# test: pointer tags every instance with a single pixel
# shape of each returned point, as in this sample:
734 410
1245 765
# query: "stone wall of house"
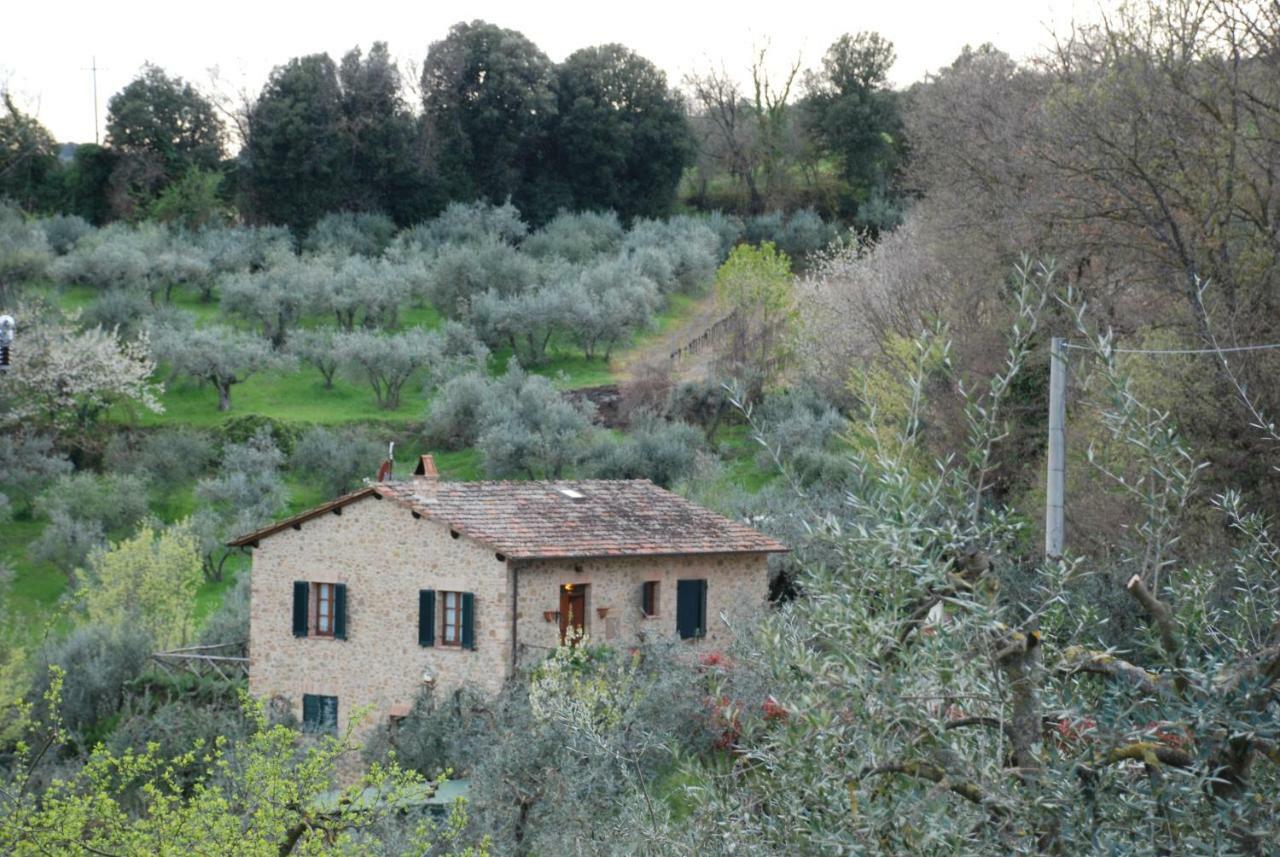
385 556
737 587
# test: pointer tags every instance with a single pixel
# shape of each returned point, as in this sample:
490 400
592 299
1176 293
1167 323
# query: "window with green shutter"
301 612
426 617
319 714
319 609
469 621
691 608
340 611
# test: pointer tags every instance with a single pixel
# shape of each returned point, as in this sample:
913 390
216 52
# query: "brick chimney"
425 476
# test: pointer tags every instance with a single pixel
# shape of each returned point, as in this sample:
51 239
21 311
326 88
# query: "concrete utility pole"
93 67
1056 485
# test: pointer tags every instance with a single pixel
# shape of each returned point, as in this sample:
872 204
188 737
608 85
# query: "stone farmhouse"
366 599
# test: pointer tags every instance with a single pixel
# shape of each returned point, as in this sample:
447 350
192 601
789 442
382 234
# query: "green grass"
738 450
298 396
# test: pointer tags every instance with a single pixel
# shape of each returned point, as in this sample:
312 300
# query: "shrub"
691 247
64 231
167 458
29 462
453 418
528 428
147 581
336 460
276 297
461 272
124 311
244 249
703 403
99 661
576 237
363 292
525 322
83 509
388 361
346 232
318 348
804 425
466 223
246 493
607 303
662 452
24 251
257 430
230 622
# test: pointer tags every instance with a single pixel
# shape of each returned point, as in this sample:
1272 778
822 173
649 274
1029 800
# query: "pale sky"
46 48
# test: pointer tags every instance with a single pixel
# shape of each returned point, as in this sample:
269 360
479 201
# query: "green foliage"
217 355
28 159
346 233
664 453
96 664
164 118
576 237
620 135
193 201
857 119
24 251
147 581
527 428
83 509
755 286
337 461
261 796
326 137
487 97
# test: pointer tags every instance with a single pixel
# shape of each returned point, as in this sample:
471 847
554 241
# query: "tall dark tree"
86 183
325 137
487 105
28 159
384 169
855 116
621 137
162 128
294 162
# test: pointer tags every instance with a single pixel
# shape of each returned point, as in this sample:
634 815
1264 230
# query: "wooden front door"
573 611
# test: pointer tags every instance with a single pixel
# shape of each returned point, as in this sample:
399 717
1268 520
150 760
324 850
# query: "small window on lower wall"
319 714
649 598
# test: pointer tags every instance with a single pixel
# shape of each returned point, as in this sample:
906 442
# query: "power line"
1228 350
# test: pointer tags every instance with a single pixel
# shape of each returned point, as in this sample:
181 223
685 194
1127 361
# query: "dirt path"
659 346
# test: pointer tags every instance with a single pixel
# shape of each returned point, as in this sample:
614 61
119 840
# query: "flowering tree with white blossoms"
65 378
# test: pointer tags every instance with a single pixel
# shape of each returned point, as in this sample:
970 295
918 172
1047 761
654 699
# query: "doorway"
573 612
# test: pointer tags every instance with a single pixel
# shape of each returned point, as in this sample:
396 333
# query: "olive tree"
276 297
245 493
389 361
528 428
217 355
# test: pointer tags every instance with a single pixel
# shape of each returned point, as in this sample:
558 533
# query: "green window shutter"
426 617
310 713
691 608
340 611
329 714
300 590
468 620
